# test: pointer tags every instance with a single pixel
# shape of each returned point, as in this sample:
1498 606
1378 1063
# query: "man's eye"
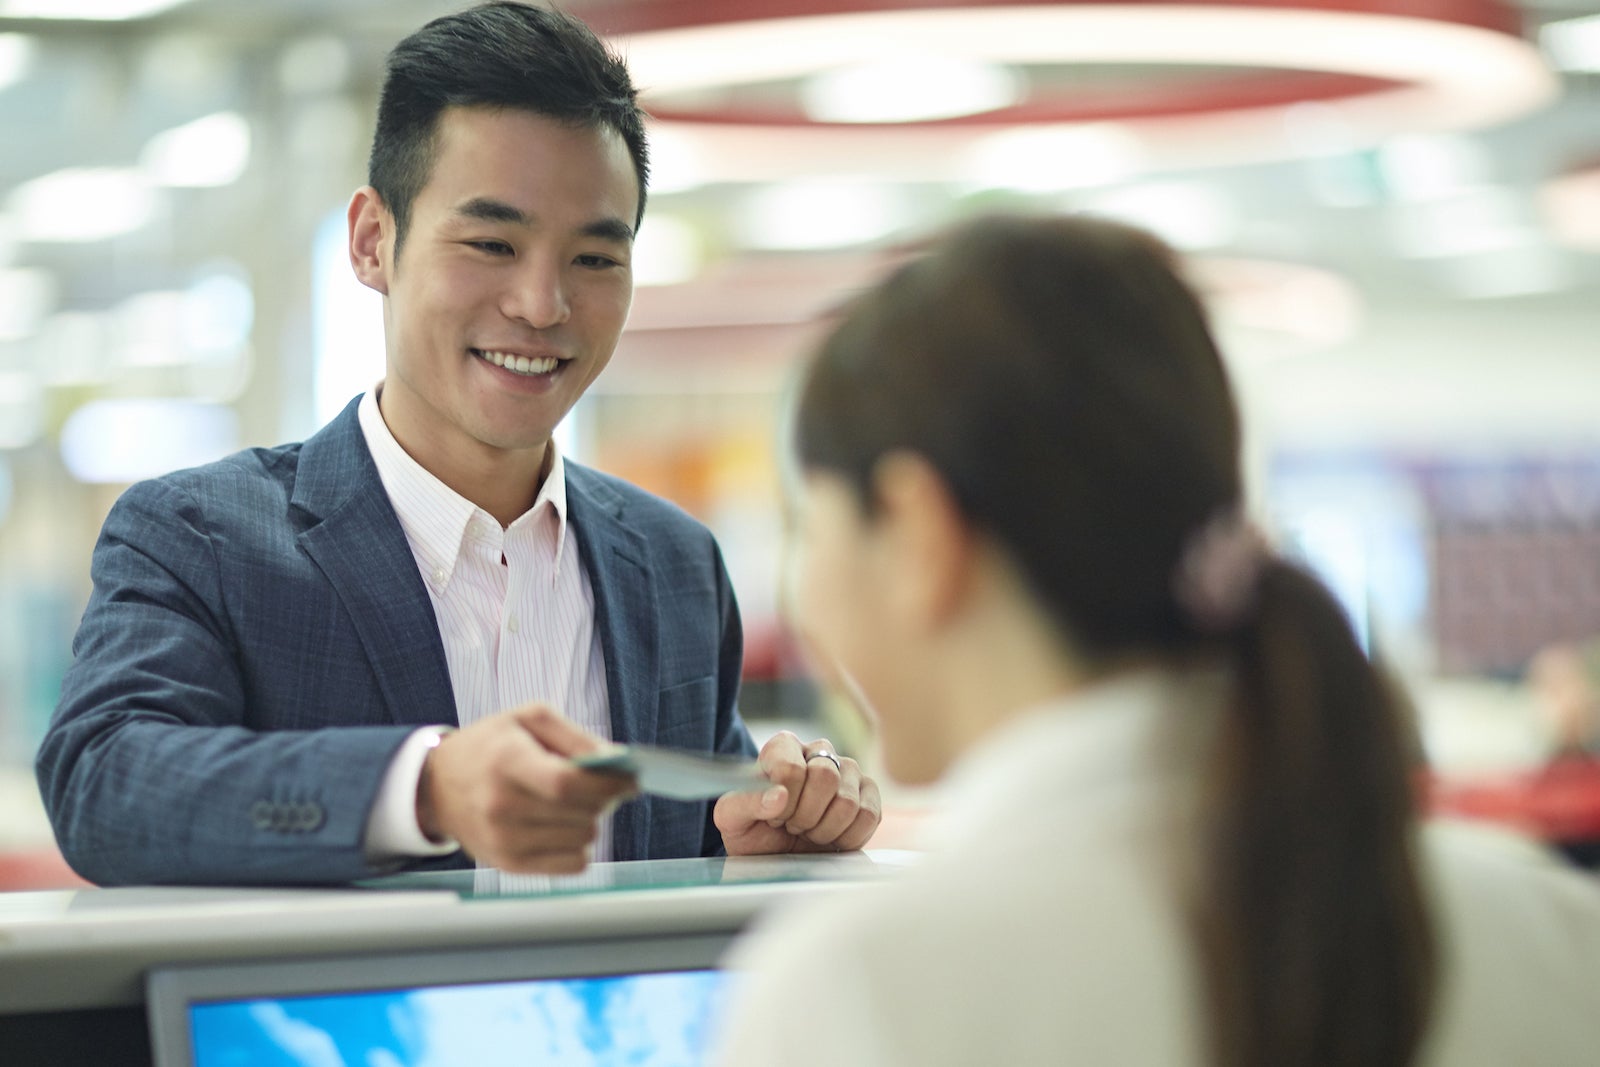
494 248
596 262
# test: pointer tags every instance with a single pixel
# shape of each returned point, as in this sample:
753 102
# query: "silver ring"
825 754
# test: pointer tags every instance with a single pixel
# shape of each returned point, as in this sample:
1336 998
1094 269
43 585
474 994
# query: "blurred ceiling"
1310 226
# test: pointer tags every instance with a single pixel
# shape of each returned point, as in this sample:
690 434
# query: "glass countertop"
490 884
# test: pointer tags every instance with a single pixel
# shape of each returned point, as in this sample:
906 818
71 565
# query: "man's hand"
506 790
813 804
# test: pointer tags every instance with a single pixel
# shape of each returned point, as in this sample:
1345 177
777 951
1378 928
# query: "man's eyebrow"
488 209
612 229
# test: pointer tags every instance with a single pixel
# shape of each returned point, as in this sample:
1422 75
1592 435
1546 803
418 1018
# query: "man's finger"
868 815
736 812
782 747
554 732
822 783
840 814
783 761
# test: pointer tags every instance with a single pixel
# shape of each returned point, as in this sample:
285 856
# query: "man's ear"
371 246
929 544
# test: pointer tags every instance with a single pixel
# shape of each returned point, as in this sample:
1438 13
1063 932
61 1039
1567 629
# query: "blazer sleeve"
149 769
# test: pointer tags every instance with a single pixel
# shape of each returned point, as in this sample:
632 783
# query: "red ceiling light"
717 70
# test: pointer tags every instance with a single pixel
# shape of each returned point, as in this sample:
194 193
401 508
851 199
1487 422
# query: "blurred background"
1392 207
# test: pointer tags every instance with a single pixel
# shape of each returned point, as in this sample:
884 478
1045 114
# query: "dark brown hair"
1061 377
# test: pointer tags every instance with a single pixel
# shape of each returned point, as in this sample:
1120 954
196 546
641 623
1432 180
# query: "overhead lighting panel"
1047 159
116 442
27 296
20 421
813 215
908 88
16 56
211 151
81 204
86 10
1573 44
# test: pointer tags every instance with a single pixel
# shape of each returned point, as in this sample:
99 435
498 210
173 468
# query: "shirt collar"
554 493
436 519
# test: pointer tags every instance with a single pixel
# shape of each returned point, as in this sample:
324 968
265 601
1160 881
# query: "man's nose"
537 295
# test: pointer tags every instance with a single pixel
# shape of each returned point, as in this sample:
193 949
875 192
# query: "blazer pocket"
686 715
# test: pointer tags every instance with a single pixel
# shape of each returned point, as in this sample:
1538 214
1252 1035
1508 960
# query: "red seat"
37 869
1559 802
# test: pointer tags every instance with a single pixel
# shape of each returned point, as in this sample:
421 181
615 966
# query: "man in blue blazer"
266 677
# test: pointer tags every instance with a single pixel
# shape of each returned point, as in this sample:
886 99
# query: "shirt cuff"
392 829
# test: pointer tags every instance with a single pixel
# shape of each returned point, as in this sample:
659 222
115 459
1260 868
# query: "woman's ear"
929 551
370 225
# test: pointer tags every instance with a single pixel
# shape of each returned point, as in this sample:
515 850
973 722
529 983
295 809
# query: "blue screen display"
660 1020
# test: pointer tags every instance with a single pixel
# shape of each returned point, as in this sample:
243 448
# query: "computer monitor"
637 1000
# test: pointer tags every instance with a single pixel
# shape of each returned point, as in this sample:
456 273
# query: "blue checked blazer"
259 642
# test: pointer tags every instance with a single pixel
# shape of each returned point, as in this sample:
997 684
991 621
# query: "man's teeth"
520 364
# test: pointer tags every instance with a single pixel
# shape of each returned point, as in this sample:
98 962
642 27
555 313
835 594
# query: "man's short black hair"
497 55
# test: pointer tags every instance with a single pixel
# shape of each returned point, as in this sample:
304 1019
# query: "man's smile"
528 366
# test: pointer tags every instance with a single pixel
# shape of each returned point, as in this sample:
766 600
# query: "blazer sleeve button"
307 817
261 815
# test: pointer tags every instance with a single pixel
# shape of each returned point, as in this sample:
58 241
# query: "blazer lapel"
363 552
616 560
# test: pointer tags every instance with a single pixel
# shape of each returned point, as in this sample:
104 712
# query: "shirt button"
438 574
512 624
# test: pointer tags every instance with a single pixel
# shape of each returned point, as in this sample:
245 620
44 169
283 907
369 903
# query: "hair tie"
1218 573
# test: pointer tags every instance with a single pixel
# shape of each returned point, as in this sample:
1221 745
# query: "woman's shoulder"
1519 932
1476 865
1067 921
936 968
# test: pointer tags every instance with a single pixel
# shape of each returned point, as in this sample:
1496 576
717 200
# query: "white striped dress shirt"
515 611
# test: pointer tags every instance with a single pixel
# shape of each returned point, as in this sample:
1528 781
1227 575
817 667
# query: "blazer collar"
616 557
356 540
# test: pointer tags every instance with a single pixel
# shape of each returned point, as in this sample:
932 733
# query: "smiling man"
383 646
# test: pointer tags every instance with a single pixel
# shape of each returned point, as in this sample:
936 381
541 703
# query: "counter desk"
117 977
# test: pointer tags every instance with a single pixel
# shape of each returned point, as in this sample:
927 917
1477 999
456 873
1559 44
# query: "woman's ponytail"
1311 921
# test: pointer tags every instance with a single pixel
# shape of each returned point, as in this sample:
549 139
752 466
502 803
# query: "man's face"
512 284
